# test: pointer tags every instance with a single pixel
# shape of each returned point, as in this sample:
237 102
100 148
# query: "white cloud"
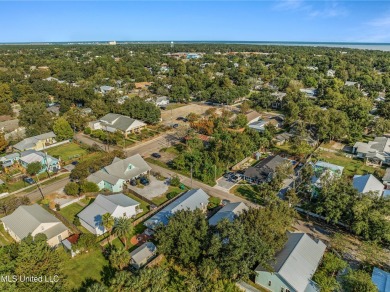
322 9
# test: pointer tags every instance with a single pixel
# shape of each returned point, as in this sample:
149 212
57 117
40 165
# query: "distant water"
362 46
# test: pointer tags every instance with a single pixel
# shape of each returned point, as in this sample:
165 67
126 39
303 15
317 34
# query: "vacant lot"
169 116
67 151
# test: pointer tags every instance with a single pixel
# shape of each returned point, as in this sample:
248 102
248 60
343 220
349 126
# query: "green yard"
85 266
247 191
71 211
175 191
351 166
5 238
67 151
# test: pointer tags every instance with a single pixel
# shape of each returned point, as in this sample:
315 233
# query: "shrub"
76 221
88 130
71 189
172 194
175 181
88 187
57 206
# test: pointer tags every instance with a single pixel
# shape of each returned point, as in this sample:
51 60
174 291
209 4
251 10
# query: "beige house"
36 142
33 220
116 122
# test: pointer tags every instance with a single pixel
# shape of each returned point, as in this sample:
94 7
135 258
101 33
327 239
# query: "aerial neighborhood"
194 167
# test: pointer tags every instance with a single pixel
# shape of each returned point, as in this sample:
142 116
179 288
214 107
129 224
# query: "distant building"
160 101
352 83
116 122
118 205
310 92
112 43
258 126
37 143
191 200
193 56
252 116
386 178
321 170
33 220
381 279
142 255
294 267
229 212
279 96
331 73
142 85
105 89
368 183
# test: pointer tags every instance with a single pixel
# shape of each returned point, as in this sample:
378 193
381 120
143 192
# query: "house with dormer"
112 177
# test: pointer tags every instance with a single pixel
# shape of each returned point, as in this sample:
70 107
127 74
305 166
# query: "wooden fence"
70 225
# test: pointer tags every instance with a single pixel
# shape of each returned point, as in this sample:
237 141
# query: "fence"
140 197
72 201
70 225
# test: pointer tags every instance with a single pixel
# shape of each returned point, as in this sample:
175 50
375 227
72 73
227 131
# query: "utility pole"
39 187
191 175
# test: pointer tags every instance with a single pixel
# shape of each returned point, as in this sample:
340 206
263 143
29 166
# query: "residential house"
24 158
49 163
368 183
142 255
294 267
252 116
33 220
122 99
229 212
321 170
37 143
142 85
86 111
331 73
381 279
116 122
191 200
375 152
310 92
162 101
351 83
118 205
105 89
112 177
193 56
264 170
279 96
283 138
386 178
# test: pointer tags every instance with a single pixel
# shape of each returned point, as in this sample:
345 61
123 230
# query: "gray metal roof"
26 219
143 252
32 141
120 122
230 212
191 200
379 145
381 279
297 262
368 183
93 213
262 169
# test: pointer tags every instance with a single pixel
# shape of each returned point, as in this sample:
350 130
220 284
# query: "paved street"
154 145
47 189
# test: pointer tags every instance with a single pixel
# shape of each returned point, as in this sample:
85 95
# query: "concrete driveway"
154 189
225 183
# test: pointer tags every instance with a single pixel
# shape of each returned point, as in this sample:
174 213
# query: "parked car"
228 175
185 120
225 202
29 180
133 182
175 126
235 178
156 155
75 162
144 181
179 119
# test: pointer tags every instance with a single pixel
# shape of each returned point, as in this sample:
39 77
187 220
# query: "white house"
368 183
118 205
33 220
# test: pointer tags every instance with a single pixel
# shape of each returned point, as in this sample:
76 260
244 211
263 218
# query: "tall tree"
123 228
108 223
62 129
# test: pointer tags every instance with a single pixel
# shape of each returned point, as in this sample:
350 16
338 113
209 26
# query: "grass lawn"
144 205
117 243
172 106
351 166
71 211
84 266
67 151
5 238
249 192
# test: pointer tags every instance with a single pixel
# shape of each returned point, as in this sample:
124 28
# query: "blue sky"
289 20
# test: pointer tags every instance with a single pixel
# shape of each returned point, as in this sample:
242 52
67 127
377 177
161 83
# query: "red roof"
73 238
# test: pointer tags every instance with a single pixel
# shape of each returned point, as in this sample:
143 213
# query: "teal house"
114 176
295 265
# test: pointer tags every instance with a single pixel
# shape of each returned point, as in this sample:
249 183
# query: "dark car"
29 180
175 126
144 181
133 182
156 155
228 175
225 202
185 120
180 119
75 162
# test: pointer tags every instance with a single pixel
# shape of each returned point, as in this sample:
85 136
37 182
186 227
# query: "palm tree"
119 258
108 223
123 229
